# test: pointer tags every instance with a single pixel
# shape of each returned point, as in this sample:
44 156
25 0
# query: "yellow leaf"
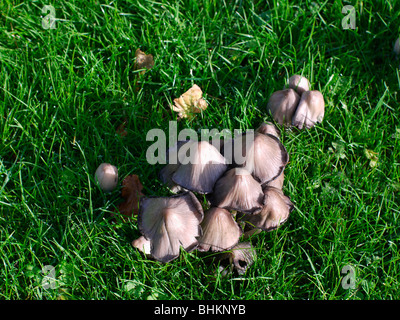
372 156
190 102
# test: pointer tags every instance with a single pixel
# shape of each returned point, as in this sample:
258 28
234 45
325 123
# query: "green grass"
64 91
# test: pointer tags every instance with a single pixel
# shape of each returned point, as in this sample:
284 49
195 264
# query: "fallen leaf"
338 149
131 193
143 61
190 102
121 130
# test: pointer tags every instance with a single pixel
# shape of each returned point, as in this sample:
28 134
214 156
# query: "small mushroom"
269 128
282 105
220 230
311 109
240 257
202 169
299 83
275 211
265 157
237 190
169 223
106 176
396 47
143 245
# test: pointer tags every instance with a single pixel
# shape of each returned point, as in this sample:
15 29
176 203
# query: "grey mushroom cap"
237 190
269 128
263 155
204 166
282 105
278 182
270 158
311 109
299 83
275 211
220 230
169 223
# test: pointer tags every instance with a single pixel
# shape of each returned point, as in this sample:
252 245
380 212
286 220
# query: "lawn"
64 91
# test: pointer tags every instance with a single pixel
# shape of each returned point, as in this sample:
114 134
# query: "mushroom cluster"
297 105
243 194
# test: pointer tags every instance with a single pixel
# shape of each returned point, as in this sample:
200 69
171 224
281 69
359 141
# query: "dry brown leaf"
190 102
143 61
131 192
121 130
